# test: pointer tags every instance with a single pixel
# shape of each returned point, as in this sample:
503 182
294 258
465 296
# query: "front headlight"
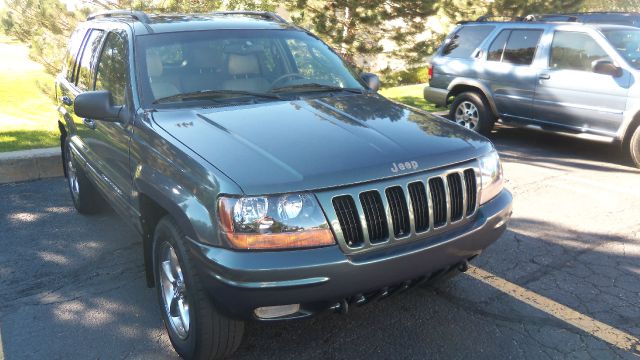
274 222
491 176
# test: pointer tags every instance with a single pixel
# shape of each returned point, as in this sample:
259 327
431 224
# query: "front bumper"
436 96
239 282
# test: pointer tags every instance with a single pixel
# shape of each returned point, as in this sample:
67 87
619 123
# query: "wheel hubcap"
72 177
467 115
174 293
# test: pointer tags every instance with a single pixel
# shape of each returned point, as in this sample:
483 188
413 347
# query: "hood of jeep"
311 144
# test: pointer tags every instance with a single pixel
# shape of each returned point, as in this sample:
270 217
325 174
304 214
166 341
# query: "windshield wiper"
315 87
215 94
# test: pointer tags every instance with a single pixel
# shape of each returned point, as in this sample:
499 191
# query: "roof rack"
263 14
573 17
138 15
486 18
557 17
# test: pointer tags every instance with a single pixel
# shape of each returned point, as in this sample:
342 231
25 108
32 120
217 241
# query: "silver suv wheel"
467 115
174 294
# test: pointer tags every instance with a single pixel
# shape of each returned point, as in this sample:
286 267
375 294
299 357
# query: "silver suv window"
574 51
515 46
465 41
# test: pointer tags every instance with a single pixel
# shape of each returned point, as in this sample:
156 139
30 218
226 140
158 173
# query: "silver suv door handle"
545 76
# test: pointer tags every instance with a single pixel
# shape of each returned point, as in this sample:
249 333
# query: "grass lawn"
28 118
410 95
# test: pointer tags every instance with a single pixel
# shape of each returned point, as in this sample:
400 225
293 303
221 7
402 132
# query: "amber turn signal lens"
291 240
316 235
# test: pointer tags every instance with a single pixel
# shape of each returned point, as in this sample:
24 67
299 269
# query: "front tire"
196 329
471 111
85 196
634 147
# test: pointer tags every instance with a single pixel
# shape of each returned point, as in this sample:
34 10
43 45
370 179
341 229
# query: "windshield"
228 64
627 43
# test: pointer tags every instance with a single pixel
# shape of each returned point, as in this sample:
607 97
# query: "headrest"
154 64
243 64
207 58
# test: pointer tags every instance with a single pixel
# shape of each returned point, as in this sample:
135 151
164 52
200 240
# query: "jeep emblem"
407 165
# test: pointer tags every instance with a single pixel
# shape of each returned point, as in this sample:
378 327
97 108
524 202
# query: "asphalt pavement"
563 282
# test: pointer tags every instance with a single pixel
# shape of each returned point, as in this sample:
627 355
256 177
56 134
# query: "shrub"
411 76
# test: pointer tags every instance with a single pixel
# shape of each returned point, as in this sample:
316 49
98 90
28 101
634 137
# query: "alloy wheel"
174 294
72 176
467 115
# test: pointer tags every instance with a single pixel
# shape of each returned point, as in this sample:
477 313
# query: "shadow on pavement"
554 151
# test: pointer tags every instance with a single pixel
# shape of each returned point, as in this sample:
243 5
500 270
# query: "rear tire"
634 147
197 330
471 110
85 196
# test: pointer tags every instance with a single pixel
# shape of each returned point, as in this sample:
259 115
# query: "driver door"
109 141
571 95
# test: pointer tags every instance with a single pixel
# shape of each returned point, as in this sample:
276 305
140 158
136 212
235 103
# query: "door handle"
544 76
67 100
89 123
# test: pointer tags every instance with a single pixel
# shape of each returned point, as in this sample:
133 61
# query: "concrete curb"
27 165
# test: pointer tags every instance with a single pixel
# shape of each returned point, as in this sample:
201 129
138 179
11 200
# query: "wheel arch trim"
476 84
190 214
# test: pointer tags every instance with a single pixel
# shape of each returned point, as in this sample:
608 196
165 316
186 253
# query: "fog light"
272 312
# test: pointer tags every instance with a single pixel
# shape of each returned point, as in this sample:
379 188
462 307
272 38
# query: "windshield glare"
256 61
627 43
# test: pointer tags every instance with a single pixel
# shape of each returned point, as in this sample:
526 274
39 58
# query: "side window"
112 69
465 41
87 60
521 47
574 51
497 46
72 53
515 46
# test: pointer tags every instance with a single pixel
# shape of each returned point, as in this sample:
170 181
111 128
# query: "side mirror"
606 67
372 81
97 105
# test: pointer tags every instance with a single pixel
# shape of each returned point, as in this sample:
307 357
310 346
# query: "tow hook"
341 307
463 266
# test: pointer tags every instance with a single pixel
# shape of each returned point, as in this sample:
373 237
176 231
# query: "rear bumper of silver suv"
319 279
436 96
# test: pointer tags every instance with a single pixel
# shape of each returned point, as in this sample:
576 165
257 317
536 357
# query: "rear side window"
85 73
574 51
465 41
112 71
72 53
515 46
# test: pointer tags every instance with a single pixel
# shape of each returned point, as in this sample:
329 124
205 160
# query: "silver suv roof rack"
263 14
137 15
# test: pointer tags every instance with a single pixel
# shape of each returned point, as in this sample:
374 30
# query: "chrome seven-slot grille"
413 208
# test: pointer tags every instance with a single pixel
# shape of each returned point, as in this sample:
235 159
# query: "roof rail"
138 15
557 17
486 18
263 14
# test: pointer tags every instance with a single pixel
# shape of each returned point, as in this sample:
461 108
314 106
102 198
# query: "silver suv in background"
565 77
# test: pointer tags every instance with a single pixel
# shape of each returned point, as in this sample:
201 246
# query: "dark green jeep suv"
268 180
